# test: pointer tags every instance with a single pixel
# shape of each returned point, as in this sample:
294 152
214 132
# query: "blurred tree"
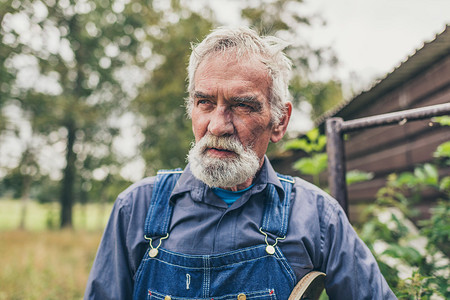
5 76
27 170
166 128
284 18
322 96
69 60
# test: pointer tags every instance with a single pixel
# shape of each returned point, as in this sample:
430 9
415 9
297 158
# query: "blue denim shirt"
319 236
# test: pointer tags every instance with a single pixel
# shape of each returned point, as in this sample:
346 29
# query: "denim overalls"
257 272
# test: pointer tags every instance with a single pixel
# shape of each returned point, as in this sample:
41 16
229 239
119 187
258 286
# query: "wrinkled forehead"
231 59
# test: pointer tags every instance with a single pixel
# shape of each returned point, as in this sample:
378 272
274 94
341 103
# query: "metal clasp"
154 251
270 248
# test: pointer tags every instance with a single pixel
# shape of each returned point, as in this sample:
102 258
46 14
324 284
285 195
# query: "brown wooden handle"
309 287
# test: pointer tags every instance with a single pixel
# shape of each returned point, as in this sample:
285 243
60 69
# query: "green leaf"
443 150
313 134
321 143
445 184
355 176
427 174
443 120
406 179
299 144
312 165
405 253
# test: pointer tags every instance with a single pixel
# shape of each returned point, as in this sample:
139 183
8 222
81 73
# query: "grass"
46 265
41 262
46 216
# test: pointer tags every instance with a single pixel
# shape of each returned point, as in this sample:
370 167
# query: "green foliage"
386 230
416 287
313 144
406 253
355 176
403 190
322 96
437 228
83 88
312 165
386 224
443 152
442 120
444 185
160 102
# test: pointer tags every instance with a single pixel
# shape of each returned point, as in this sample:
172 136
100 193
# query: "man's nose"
221 122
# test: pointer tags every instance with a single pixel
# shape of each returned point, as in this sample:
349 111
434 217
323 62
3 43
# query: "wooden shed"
421 80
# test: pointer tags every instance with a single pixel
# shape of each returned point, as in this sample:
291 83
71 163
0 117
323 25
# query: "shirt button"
167 297
241 297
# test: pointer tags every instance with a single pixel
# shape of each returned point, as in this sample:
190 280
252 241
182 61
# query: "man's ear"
279 129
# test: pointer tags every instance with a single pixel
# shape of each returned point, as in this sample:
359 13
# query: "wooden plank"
365 192
401 156
411 92
377 139
376 132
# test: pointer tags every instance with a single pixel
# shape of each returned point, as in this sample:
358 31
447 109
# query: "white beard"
220 172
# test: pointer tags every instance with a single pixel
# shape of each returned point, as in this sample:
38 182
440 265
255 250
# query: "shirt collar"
188 183
267 176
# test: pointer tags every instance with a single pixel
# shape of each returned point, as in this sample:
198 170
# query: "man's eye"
203 102
243 106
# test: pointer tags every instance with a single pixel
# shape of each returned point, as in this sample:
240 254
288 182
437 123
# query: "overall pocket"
268 294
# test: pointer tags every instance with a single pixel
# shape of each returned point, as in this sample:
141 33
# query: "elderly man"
229 226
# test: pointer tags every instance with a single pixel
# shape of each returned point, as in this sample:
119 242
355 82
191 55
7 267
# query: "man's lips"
220 152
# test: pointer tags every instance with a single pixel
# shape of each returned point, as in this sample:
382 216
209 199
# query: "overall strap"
160 211
276 211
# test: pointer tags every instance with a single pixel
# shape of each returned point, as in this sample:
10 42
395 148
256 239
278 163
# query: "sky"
370 37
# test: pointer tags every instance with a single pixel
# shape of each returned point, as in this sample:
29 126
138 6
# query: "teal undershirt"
229 196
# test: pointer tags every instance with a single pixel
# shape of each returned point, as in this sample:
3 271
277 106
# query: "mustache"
228 143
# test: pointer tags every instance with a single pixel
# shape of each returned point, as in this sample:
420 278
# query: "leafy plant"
411 260
387 225
415 287
442 120
313 165
313 144
355 176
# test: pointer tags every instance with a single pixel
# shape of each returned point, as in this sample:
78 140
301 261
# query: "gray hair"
246 41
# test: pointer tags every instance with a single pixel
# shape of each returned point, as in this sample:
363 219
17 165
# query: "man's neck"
239 187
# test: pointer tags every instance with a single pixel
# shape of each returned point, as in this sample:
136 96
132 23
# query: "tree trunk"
68 182
25 200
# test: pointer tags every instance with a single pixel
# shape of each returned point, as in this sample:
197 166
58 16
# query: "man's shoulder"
308 194
137 189
307 187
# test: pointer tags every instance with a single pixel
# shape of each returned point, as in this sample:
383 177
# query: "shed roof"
427 55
